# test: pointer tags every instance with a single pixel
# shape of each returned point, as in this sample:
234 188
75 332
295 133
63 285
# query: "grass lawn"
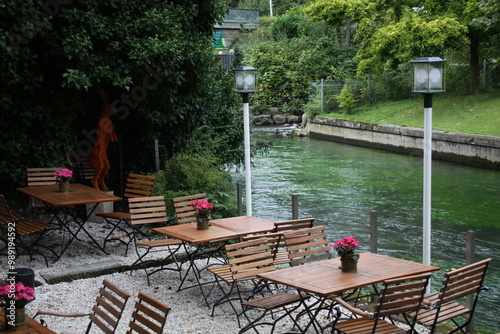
468 113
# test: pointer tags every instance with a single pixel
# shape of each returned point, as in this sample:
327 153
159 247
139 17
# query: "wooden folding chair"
276 238
137 186
398 297
184 212
25 234
144 212
106 312
449 303
149 316
292 225
247 259
307 245
42 176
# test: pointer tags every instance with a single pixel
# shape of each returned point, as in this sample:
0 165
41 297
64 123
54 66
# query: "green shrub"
193 174
346 99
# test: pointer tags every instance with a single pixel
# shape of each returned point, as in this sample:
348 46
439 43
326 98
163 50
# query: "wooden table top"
324 278
79 194
245 224
220 229
32 327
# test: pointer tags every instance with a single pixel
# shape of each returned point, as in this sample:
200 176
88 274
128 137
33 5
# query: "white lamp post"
246 83
428 79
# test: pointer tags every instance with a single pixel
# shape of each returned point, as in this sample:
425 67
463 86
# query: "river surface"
340 184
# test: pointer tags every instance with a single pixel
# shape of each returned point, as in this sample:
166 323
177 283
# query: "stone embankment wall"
469 149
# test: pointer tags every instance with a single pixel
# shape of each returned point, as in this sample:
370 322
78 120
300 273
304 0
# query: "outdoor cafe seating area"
260 275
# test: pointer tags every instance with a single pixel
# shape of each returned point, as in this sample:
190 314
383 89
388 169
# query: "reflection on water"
340 184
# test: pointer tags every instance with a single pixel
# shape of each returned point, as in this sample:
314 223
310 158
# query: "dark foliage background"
154 59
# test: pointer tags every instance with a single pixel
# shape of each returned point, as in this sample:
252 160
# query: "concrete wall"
474 150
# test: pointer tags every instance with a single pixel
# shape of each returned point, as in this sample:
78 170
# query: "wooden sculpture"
98 156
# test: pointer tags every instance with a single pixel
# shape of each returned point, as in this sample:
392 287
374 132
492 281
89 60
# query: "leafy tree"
395 32
154 58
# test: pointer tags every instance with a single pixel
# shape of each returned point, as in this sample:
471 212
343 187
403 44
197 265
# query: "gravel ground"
189 313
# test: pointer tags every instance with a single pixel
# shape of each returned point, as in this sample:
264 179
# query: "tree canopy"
392 33
154 58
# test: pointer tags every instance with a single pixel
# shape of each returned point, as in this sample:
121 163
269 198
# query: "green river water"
340 184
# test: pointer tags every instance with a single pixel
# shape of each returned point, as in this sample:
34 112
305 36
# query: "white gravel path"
189 313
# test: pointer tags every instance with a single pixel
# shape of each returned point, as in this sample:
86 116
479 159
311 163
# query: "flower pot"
202 223
63 186
349 264
15 318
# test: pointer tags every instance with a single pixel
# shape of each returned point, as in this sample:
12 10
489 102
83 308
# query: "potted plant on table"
14 297
346 249
63 178
203 213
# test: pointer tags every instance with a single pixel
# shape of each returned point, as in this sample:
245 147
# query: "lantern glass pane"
420 77
436 76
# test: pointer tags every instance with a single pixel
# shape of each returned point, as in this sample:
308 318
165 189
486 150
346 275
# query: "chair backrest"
149 316
307 245
109 307
6 215
184 212
460 283
401 295
139 185
42 176
249 258
147 210
292 225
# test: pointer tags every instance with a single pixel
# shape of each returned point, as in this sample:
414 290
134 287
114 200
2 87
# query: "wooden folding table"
220 232
65 202
31 327
324 278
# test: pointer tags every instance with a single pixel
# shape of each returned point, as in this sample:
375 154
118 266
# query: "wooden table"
220 232
32 327
324 278
58 202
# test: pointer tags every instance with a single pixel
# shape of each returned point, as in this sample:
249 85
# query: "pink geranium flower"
19 292
346 246
63 174
203 208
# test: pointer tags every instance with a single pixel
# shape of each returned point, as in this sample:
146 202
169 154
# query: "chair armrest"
353 309
61 314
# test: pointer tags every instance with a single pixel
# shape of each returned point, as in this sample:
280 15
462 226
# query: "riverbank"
468 149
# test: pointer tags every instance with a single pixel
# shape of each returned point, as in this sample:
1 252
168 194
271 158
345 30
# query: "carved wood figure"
98 156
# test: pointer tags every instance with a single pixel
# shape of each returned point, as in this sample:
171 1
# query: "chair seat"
274 301
159 243
31 226
114 215
223 272
448 310
364 325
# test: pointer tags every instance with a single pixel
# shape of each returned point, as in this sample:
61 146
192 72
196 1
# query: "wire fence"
393 85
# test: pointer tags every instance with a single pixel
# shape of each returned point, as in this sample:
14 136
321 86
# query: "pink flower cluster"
346 245
202 207
63 174
18 292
